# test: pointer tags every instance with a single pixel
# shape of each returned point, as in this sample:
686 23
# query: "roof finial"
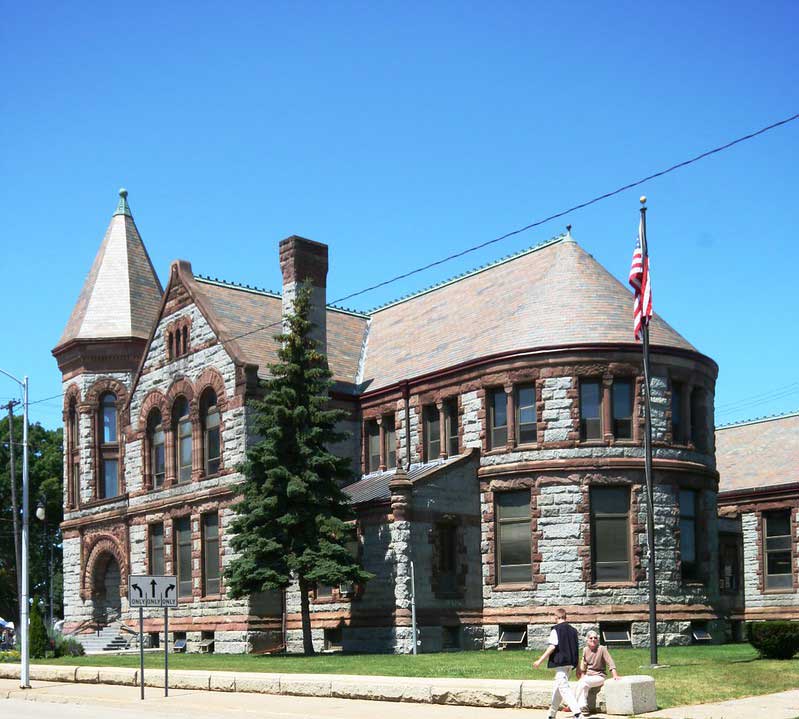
569 237
122 206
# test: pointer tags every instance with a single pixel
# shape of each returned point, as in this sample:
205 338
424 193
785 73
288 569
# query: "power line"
549 218
755 403
47 399
537 223
767 394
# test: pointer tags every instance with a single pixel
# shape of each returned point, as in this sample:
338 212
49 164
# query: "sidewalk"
96 700
125 703
784 705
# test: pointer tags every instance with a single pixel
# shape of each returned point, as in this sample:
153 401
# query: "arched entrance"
106 589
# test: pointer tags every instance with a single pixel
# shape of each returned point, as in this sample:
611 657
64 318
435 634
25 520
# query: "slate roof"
758 454
552 295
374 487
121 295
246 314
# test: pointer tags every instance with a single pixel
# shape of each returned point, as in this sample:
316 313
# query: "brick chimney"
301 261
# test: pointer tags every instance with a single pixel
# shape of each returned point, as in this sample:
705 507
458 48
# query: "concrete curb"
493 693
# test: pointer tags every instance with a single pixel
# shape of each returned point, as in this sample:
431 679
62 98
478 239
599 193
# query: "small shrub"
68 647
774 640
39 642
11 657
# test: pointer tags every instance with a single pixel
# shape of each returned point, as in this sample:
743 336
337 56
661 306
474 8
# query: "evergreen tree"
294 520
39 643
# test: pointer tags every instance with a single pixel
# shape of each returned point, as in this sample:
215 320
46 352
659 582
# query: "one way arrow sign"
147 590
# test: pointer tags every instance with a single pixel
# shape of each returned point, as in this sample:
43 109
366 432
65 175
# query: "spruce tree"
293 520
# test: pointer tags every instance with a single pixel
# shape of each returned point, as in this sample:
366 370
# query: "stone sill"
613 585
521 587
779 591
100 502
621 697
331 600
530 446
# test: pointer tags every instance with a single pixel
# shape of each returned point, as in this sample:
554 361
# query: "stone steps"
108 639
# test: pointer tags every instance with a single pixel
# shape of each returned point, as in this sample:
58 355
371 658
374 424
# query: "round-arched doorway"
106 589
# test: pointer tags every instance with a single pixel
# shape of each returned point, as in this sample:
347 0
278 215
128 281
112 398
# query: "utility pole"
14 507
24 609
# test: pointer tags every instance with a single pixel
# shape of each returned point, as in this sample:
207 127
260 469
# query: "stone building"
758 501
495 427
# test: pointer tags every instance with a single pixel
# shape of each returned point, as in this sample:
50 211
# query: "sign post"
141 650
148 590
166 651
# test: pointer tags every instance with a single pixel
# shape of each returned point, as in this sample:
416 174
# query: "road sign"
147 590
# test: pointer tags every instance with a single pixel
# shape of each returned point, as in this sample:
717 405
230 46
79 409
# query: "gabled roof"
374 487
552 295
251 318
758 454
121 294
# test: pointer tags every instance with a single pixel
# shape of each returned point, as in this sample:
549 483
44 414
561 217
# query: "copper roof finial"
122 207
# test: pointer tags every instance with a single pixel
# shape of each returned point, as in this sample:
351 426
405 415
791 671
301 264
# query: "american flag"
639 279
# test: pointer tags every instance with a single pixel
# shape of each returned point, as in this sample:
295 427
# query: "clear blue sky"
398 133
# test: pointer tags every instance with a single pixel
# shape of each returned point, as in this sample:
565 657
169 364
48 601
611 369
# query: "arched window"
183 448
212 450
109 446
108 405
73 454
155 435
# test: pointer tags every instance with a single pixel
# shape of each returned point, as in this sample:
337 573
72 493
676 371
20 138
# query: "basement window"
512 637
333 639
451 638
616 635
699 633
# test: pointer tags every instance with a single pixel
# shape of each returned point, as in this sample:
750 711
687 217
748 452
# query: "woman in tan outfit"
595 662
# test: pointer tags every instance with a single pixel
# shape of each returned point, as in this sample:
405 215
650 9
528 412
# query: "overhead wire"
537 223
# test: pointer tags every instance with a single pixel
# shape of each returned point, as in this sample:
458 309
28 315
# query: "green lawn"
694 675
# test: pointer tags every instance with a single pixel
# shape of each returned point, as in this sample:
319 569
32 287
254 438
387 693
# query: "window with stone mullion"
73 455
210 545
432 433
777 554
108 447
677 413
688 535
451 426
183 555
610 533
525 414
498 418
183 441
156 549
372 446
212 450
514 537
389 442
622 406
590 409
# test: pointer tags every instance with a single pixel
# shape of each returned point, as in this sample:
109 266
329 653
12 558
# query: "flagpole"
650 504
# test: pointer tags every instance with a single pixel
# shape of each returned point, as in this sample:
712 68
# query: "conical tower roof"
121 295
